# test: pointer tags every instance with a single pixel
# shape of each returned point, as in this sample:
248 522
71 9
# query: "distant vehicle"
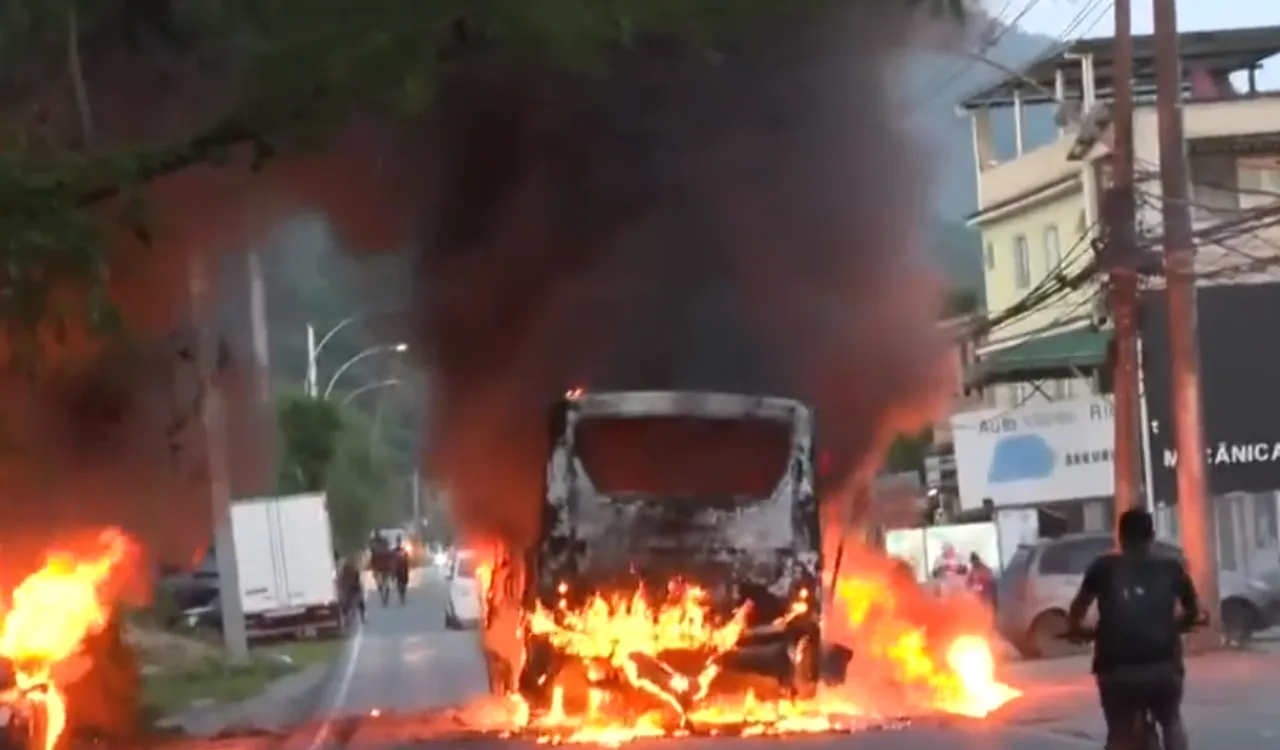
407 541
286 566
1036 588
463 610
653 488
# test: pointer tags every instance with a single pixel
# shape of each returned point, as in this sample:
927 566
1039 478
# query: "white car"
463 610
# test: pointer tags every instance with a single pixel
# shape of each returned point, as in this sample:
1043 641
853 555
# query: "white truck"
286 566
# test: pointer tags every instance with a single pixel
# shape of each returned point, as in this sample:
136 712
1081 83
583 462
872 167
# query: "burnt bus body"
714 490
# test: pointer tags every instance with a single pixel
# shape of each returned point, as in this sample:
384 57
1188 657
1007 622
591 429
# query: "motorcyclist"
401 568
1137 658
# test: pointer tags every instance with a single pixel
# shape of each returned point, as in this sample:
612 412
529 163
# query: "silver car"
1036 588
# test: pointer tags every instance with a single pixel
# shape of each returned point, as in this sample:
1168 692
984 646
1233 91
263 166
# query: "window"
1021 263
1259 181
680 456
1052 250
466 568
989 256
1214 186
1072 558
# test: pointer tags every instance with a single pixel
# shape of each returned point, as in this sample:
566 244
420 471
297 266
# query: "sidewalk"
1231 699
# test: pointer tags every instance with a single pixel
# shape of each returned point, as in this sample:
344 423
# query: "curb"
283 704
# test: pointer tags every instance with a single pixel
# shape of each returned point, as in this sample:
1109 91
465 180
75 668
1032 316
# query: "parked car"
463 609
193 588
1036 588
206 617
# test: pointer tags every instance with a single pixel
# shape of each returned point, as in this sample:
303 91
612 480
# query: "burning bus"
679 556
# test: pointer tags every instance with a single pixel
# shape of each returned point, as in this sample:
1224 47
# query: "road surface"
404 659
408 670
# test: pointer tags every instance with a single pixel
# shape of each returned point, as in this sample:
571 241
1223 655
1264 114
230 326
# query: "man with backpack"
1137 658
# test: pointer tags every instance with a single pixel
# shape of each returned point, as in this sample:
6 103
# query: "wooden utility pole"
1194 519
1121 252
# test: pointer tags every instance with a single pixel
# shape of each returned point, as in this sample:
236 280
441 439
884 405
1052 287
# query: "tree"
907 452
363 486
327 449
310 432
248 78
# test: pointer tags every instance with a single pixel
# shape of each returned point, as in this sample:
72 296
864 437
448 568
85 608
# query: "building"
1039 206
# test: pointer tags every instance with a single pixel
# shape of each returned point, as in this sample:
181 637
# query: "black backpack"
1141 604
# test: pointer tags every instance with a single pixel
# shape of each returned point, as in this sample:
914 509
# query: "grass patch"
168 692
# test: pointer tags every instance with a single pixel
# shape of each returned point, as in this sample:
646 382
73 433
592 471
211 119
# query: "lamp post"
389 382
397 348
314 347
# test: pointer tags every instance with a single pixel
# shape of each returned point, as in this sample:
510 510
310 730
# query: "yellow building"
1039 206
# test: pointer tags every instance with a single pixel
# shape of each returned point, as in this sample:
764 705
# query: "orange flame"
958 677
53 611
630 638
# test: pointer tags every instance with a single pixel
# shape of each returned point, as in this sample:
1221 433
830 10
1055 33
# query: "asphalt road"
404 676
404 660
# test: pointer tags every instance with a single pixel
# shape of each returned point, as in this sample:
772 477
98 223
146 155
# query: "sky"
1051 17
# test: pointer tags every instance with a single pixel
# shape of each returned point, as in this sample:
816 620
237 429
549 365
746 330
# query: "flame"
628 637
670 655
53 611
958 677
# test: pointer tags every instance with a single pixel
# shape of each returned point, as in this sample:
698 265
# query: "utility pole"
1194 521
213 417
1123 283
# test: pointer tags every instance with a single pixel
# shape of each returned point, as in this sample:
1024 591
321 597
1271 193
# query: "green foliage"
310 433
326 449
907 453
363 487
961 302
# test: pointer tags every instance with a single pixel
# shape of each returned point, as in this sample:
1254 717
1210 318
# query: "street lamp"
314 348
397 348
370 387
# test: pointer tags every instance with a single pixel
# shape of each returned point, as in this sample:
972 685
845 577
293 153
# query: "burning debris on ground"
650 665
51 630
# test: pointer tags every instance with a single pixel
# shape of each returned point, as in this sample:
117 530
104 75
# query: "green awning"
1046 356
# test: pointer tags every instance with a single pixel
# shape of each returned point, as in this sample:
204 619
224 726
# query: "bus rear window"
671 456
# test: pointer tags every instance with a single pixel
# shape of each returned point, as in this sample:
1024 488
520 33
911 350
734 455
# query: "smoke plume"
747 220
744 222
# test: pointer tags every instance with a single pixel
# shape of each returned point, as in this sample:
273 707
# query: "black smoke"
743 220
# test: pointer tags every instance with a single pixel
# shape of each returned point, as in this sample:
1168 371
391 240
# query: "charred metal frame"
560 552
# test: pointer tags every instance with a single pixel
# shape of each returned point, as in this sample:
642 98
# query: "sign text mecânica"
1229 454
